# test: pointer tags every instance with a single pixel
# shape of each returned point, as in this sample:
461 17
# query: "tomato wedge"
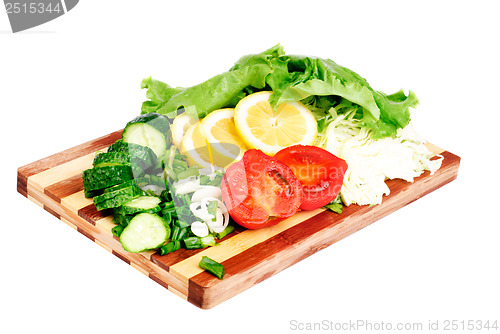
260 191
320 173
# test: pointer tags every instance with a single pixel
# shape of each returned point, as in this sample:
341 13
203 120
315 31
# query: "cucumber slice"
92 193
145 231
111 159
150 204
104 177
150 130
126 184
116 198
140 155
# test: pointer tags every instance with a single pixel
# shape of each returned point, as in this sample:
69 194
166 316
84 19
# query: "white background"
78 78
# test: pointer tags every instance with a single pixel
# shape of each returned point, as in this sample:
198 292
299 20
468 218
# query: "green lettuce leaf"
320 83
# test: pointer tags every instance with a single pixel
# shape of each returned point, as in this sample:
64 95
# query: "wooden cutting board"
249 257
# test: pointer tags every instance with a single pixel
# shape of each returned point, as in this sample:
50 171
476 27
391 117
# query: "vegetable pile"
273 135
367 128
156 197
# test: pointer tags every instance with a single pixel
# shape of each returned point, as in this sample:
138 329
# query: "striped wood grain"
249 257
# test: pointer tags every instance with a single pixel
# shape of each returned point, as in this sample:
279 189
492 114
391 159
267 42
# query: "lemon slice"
270 130
179 127
220 132
195 148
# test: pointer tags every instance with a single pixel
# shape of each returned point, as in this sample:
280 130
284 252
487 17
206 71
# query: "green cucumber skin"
115 202
92 193
140 156
117 198
115 158
125 184
133 191
124 210
104 177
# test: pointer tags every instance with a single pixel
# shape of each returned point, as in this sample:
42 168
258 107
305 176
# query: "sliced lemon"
194 147
179 127
220 132
270 130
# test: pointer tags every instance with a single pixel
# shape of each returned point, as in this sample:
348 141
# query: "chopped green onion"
227 230
191 171
172 246
212 209
117 230
213 267
197 242
193 243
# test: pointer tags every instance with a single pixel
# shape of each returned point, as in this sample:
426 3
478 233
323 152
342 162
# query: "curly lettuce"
319 83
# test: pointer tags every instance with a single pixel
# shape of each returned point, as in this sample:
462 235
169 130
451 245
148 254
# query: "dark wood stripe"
158 280
276 253
69 154
52 212
64 188
121 257
22 189
90 213
85 233
22 180
168 260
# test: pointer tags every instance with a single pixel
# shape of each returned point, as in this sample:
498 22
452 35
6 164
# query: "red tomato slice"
320 173
260 191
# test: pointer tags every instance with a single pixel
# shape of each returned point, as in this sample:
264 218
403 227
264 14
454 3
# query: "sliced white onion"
206 191
199 229
200 210
185 187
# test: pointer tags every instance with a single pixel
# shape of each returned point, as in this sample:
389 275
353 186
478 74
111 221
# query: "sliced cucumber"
92 193
145 231
126 184
150 204
111 159
132 190
117 198
140 155
104 177
151 130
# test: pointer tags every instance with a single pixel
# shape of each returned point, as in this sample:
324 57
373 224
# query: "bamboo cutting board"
249 257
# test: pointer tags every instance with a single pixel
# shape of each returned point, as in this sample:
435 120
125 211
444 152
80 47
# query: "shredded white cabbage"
371 162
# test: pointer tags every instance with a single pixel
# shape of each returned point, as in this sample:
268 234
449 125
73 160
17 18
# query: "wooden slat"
101 231
304 239
237 244
76 201
59 190
249 257
69 155
61 172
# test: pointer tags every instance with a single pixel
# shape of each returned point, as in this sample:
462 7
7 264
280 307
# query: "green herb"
335 205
